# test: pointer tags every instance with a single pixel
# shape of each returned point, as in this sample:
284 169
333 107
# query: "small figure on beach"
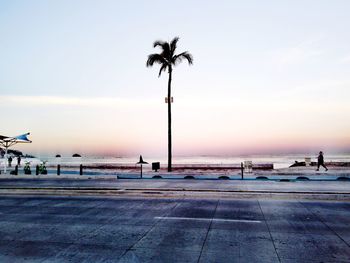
320 161
10 161
18 160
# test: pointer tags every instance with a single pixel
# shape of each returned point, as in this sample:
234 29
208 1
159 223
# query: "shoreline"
175 167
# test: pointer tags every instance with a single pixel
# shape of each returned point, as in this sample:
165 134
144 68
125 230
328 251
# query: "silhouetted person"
10 161
18 160
320 161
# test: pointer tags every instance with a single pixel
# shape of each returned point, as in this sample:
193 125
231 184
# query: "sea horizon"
278 160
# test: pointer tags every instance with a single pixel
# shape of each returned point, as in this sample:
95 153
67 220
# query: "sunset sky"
268 76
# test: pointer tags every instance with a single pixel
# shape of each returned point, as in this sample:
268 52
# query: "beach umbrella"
141 162
7 142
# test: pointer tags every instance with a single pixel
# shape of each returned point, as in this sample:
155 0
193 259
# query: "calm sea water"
279 161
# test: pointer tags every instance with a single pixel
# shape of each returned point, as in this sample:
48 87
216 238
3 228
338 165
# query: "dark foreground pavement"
129 229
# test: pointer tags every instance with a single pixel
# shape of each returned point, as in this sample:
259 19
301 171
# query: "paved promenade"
129 229
151 220
321 190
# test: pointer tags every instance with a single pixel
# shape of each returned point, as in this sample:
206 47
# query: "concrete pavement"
129 229
322 190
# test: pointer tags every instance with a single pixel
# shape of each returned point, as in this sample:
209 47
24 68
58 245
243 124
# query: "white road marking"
207 219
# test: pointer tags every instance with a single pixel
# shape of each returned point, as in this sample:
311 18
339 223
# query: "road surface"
129 229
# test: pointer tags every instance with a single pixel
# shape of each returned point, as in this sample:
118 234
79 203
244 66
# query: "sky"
268 76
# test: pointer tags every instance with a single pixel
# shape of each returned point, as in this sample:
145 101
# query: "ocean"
279 161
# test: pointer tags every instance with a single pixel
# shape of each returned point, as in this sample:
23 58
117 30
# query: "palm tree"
167 60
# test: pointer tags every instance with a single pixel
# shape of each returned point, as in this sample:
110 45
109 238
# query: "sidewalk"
318 190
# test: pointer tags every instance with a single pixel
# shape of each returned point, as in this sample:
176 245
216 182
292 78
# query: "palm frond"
166 53
173 45
167 58
155 58
184 55
158 43
162 68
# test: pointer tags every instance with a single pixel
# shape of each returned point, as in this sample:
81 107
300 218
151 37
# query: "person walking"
19 160
10 161
320 162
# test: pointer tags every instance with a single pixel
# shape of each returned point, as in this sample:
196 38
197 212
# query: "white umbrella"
7 142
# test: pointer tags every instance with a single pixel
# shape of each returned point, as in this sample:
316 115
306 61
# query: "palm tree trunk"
169 122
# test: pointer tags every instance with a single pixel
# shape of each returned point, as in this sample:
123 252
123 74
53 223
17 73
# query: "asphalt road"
91 229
